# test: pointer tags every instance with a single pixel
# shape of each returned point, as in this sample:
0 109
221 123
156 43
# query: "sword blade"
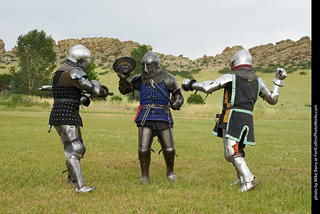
155 86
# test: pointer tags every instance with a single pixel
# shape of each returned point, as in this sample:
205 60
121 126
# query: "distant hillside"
106 50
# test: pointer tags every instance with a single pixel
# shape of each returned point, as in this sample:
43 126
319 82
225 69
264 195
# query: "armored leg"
169 152
244 175
74 168
74 149
144 151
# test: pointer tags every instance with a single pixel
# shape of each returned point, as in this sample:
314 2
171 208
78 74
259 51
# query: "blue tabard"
153 105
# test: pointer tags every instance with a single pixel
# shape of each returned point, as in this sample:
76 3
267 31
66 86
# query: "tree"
5 80
92 75
137 55
36 63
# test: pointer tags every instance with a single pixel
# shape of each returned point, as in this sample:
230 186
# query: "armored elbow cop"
92 87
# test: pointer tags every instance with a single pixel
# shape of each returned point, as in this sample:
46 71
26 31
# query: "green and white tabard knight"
235 124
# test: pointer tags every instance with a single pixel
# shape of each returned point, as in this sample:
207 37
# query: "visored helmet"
80 55
242 57
150 62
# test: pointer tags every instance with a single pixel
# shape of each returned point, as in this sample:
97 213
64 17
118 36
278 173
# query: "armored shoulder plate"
135 78
136 82
171 83
77 74
224 79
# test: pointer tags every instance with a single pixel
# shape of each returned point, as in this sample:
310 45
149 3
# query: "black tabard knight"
71 88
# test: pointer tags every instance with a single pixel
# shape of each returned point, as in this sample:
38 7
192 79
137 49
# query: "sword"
46 88
155 86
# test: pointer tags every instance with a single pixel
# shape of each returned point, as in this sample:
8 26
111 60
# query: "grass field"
32 159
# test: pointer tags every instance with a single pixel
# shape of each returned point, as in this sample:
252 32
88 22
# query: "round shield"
124 65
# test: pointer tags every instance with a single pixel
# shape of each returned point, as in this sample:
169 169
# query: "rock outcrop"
106 50
2 49
284 51
98 46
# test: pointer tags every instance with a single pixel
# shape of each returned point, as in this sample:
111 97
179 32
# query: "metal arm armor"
270 96
126 87
211 86
85 99
173 87
92 87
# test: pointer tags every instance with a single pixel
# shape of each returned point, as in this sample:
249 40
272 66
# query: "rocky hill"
106 50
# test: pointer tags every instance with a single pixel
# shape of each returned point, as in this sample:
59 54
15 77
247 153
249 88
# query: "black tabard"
65 109
239 98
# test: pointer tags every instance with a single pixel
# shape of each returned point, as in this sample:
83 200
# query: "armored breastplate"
65 109
153 105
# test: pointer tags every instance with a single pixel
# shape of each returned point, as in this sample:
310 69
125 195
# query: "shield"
124 65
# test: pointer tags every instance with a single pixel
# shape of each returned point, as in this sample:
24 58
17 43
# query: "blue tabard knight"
153 105
154 117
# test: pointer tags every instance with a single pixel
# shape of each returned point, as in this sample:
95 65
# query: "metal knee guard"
228 148
71 138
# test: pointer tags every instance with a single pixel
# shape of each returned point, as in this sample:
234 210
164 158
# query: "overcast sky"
189 27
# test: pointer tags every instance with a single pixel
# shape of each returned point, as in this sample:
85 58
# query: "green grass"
32 159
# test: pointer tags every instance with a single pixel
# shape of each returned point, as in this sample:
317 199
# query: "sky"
189 27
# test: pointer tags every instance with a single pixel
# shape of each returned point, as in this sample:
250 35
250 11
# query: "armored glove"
123 76
85 99
187 84
281 74
176 103
104 92
176 100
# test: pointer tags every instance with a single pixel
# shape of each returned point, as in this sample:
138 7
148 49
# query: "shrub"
116 98
224 70
195 99
11 100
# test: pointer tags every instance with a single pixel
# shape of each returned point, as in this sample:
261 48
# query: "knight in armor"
154 116
72 88
235 124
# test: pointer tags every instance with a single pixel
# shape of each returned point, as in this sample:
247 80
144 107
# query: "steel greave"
73 165
242 168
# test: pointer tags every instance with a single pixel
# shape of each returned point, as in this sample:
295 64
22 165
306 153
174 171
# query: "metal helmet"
242 57
80 55
150 58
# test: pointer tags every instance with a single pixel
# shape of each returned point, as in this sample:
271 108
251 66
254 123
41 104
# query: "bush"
224 70
195 99
10 100
5 80
116 98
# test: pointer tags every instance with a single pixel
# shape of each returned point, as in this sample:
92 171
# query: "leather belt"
67 100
